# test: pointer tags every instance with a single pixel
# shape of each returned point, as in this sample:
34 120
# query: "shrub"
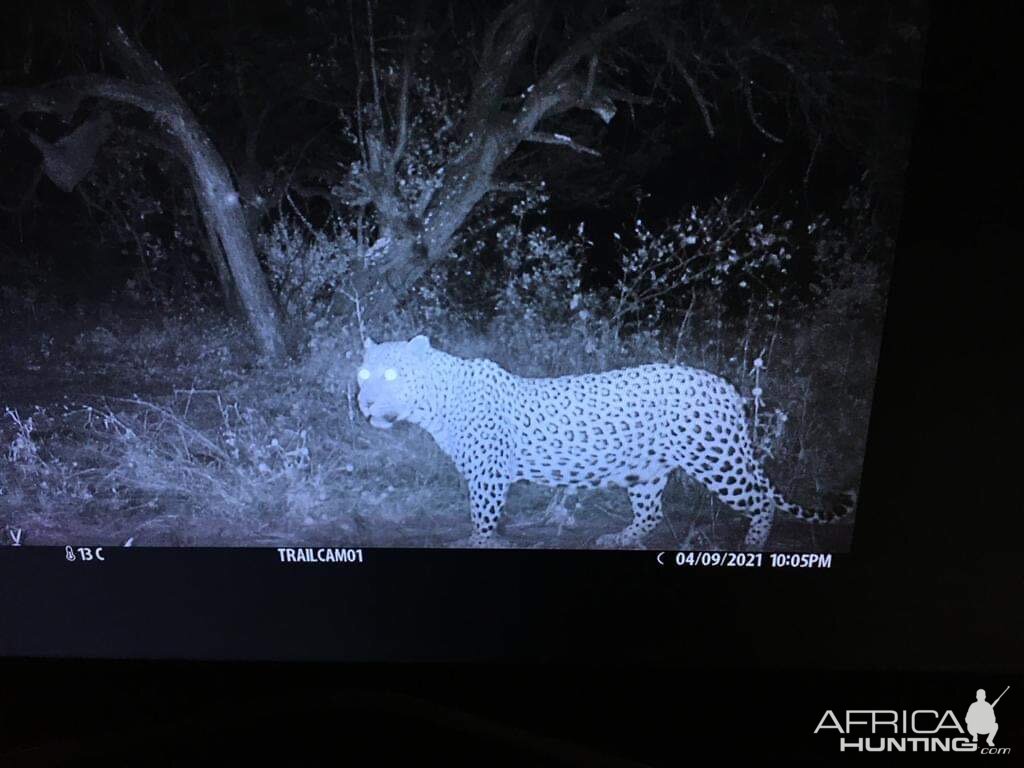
307 265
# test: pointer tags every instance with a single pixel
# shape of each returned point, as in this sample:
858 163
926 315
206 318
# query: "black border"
933 580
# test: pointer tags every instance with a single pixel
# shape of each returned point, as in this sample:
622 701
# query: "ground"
167 431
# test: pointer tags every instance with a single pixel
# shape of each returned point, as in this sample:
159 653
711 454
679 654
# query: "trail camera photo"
446 274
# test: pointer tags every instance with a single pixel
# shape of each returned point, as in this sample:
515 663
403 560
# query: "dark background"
605 652
660 152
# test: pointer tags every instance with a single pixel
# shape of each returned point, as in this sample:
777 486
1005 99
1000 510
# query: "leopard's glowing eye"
363 374
390 374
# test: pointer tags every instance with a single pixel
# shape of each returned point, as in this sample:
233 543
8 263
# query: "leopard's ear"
419 344
368 342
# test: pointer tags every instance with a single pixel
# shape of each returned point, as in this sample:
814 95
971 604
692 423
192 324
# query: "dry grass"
221 452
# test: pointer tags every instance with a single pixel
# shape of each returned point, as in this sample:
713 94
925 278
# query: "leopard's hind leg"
645 498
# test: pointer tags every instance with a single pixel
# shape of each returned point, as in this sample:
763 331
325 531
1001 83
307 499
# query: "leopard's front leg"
484 464
487 501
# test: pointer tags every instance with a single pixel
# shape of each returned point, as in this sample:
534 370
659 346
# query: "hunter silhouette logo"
916 730
981 717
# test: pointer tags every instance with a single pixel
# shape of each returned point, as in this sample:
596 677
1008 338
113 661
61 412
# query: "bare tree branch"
550 90
749 99
403 96
560 140
63 97
702 102
373 65
136 64
515 24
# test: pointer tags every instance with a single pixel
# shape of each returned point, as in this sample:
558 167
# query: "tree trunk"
149 89
228 237
415 237
216 194
220 206
220 264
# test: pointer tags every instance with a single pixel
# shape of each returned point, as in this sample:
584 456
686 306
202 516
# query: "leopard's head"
394 379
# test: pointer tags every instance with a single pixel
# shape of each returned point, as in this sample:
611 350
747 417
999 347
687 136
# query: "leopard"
628 428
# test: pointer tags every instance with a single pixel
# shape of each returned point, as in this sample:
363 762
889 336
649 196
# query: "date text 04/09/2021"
747 559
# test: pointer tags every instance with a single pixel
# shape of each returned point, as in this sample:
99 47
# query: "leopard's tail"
836 505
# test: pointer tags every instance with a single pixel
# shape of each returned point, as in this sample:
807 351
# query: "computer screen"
394 297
